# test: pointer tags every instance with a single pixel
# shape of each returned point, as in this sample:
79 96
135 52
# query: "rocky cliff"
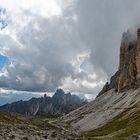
115 113
128 73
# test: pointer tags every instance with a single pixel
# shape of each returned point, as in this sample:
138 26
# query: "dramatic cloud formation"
73 45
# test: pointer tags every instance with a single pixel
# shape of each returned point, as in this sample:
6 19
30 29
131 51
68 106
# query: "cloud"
9 96
101 24
3 22
73 44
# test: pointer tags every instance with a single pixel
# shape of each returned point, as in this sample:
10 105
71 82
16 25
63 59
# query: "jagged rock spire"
128 74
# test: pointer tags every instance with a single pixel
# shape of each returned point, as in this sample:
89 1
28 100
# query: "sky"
3 61
73 44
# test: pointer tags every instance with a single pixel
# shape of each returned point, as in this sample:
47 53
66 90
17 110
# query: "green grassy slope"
9 118
120 127
13 119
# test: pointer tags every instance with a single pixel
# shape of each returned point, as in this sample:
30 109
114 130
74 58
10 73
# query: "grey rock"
134 137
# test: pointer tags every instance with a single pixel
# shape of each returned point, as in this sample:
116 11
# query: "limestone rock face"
105 89
113 84
127 67
138 55
114 81
128 74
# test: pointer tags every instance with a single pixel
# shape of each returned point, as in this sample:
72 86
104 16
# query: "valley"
69 70
18 127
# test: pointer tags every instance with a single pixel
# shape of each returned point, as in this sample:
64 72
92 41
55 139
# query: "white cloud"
58 43
44 8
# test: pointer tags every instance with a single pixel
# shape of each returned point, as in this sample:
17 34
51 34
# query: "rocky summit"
128 73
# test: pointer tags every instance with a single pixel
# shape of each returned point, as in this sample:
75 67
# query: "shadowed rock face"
59 104
127 67
138 55
128 74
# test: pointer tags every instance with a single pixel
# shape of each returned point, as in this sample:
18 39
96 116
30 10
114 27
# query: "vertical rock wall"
128 74
127 67
138 55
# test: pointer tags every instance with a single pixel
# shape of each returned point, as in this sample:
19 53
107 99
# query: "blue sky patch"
3 61
83 66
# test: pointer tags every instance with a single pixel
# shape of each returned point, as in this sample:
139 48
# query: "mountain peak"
59 92
128 73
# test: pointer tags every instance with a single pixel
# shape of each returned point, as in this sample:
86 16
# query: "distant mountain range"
59 103
9 97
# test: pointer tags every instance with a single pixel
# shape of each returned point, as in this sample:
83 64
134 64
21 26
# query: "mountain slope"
101 110
120 127
60 103
125 124
114 114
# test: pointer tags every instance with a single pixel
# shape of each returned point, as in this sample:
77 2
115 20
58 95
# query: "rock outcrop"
128 74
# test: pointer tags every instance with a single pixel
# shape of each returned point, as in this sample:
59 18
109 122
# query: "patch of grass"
121 126
7 117
33 122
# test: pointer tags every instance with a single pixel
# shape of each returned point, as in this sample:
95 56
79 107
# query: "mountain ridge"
60 103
